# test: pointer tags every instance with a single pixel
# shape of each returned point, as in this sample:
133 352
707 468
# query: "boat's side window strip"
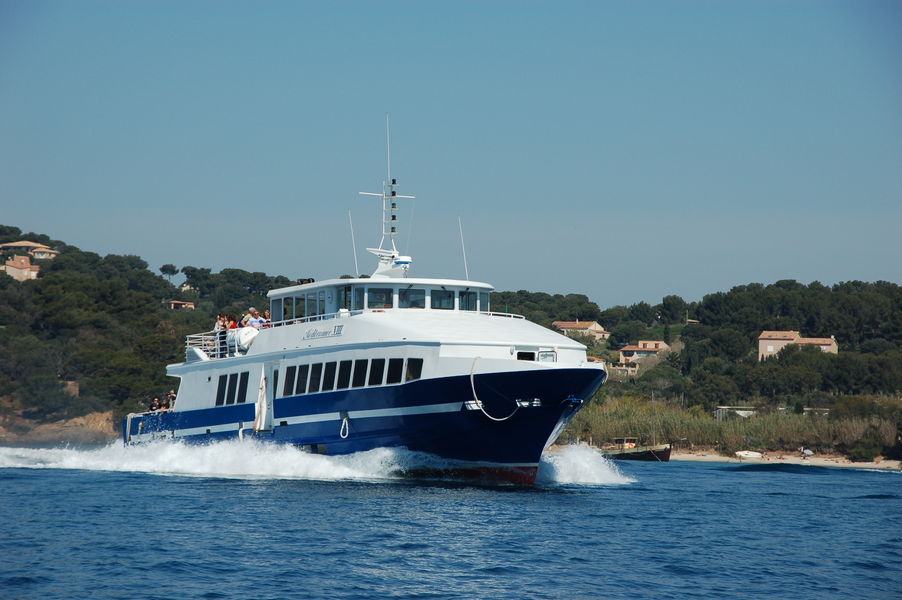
395 369
344 374
414 369
301 387
289 381
377 371
221 390
329 376
316 373
359 373
467 300
233 388
442 299
242 387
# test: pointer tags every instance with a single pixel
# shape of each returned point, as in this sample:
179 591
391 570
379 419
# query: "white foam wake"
579 464
253 460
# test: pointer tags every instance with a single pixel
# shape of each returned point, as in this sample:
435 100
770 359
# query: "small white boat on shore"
749 455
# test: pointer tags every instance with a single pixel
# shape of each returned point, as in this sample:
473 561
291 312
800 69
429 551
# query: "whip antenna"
463 248
353 245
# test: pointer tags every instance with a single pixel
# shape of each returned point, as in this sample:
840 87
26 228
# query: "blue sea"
244 521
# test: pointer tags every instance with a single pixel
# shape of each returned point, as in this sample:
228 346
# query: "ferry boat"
349 365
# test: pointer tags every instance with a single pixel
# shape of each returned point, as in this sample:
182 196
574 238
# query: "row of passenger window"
341 375
232 389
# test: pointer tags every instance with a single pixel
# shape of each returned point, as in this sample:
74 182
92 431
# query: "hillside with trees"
92 333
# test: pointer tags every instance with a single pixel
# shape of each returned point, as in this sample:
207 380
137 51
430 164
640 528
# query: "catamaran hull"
493 426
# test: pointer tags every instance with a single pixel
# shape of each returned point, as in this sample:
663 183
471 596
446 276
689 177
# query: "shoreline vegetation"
93 335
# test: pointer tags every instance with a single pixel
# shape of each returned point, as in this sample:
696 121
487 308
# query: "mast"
391 263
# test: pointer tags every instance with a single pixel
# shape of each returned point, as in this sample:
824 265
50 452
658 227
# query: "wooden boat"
628 448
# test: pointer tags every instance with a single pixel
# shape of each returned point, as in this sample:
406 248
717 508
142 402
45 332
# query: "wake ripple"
249 459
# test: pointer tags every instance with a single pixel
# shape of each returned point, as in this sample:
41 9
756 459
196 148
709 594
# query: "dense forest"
93 333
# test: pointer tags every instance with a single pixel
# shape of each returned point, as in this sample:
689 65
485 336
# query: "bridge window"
359 373
443 299
379 298
412 298
221 390
242 387
467 301
233 387
289 381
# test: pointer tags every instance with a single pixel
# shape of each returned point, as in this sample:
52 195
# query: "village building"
578 327
20 268
33 249
179 305
636 352
771 342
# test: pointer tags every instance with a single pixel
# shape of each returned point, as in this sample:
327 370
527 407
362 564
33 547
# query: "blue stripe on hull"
465 435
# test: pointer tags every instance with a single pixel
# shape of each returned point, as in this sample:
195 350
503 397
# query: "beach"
816 460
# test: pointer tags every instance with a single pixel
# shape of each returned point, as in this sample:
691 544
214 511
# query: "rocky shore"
816 460
94 428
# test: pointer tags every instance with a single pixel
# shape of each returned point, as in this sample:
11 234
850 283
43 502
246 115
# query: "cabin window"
377 370
310 305
316 372
412 298
300 307
344 374
233 387
275 308
359 373
275 383
467 301
289 308
379 298
526 355
484 301
301 386
321 307
329 377
395 369
344 297
548 356
289 381
242 387
357 299
443 299
221 390
414 369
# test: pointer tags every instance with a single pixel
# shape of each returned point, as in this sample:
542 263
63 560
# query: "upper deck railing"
220 344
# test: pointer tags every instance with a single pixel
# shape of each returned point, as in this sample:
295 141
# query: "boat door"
266 393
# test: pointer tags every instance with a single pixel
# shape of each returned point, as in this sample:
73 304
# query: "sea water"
245 521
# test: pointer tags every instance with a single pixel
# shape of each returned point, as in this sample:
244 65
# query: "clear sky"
625 150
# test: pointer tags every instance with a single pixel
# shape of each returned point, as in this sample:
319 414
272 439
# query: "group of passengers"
167 402
253 318
224 322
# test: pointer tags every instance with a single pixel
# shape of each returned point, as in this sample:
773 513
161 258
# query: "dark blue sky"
622 150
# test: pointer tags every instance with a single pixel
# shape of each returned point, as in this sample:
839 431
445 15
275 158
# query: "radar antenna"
391 263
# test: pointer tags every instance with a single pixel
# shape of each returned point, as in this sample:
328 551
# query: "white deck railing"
214 343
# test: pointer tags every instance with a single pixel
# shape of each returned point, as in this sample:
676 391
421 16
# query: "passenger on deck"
170 399
220 327
267 320
232 322
252 319
155 404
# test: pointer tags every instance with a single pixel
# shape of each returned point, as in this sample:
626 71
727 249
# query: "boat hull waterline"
521 414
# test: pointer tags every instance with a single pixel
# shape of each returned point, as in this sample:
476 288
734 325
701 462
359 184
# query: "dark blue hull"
521 414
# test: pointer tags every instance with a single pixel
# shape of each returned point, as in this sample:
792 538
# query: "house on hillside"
21 269
178 305
771 342
33 249
592 328
645 348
